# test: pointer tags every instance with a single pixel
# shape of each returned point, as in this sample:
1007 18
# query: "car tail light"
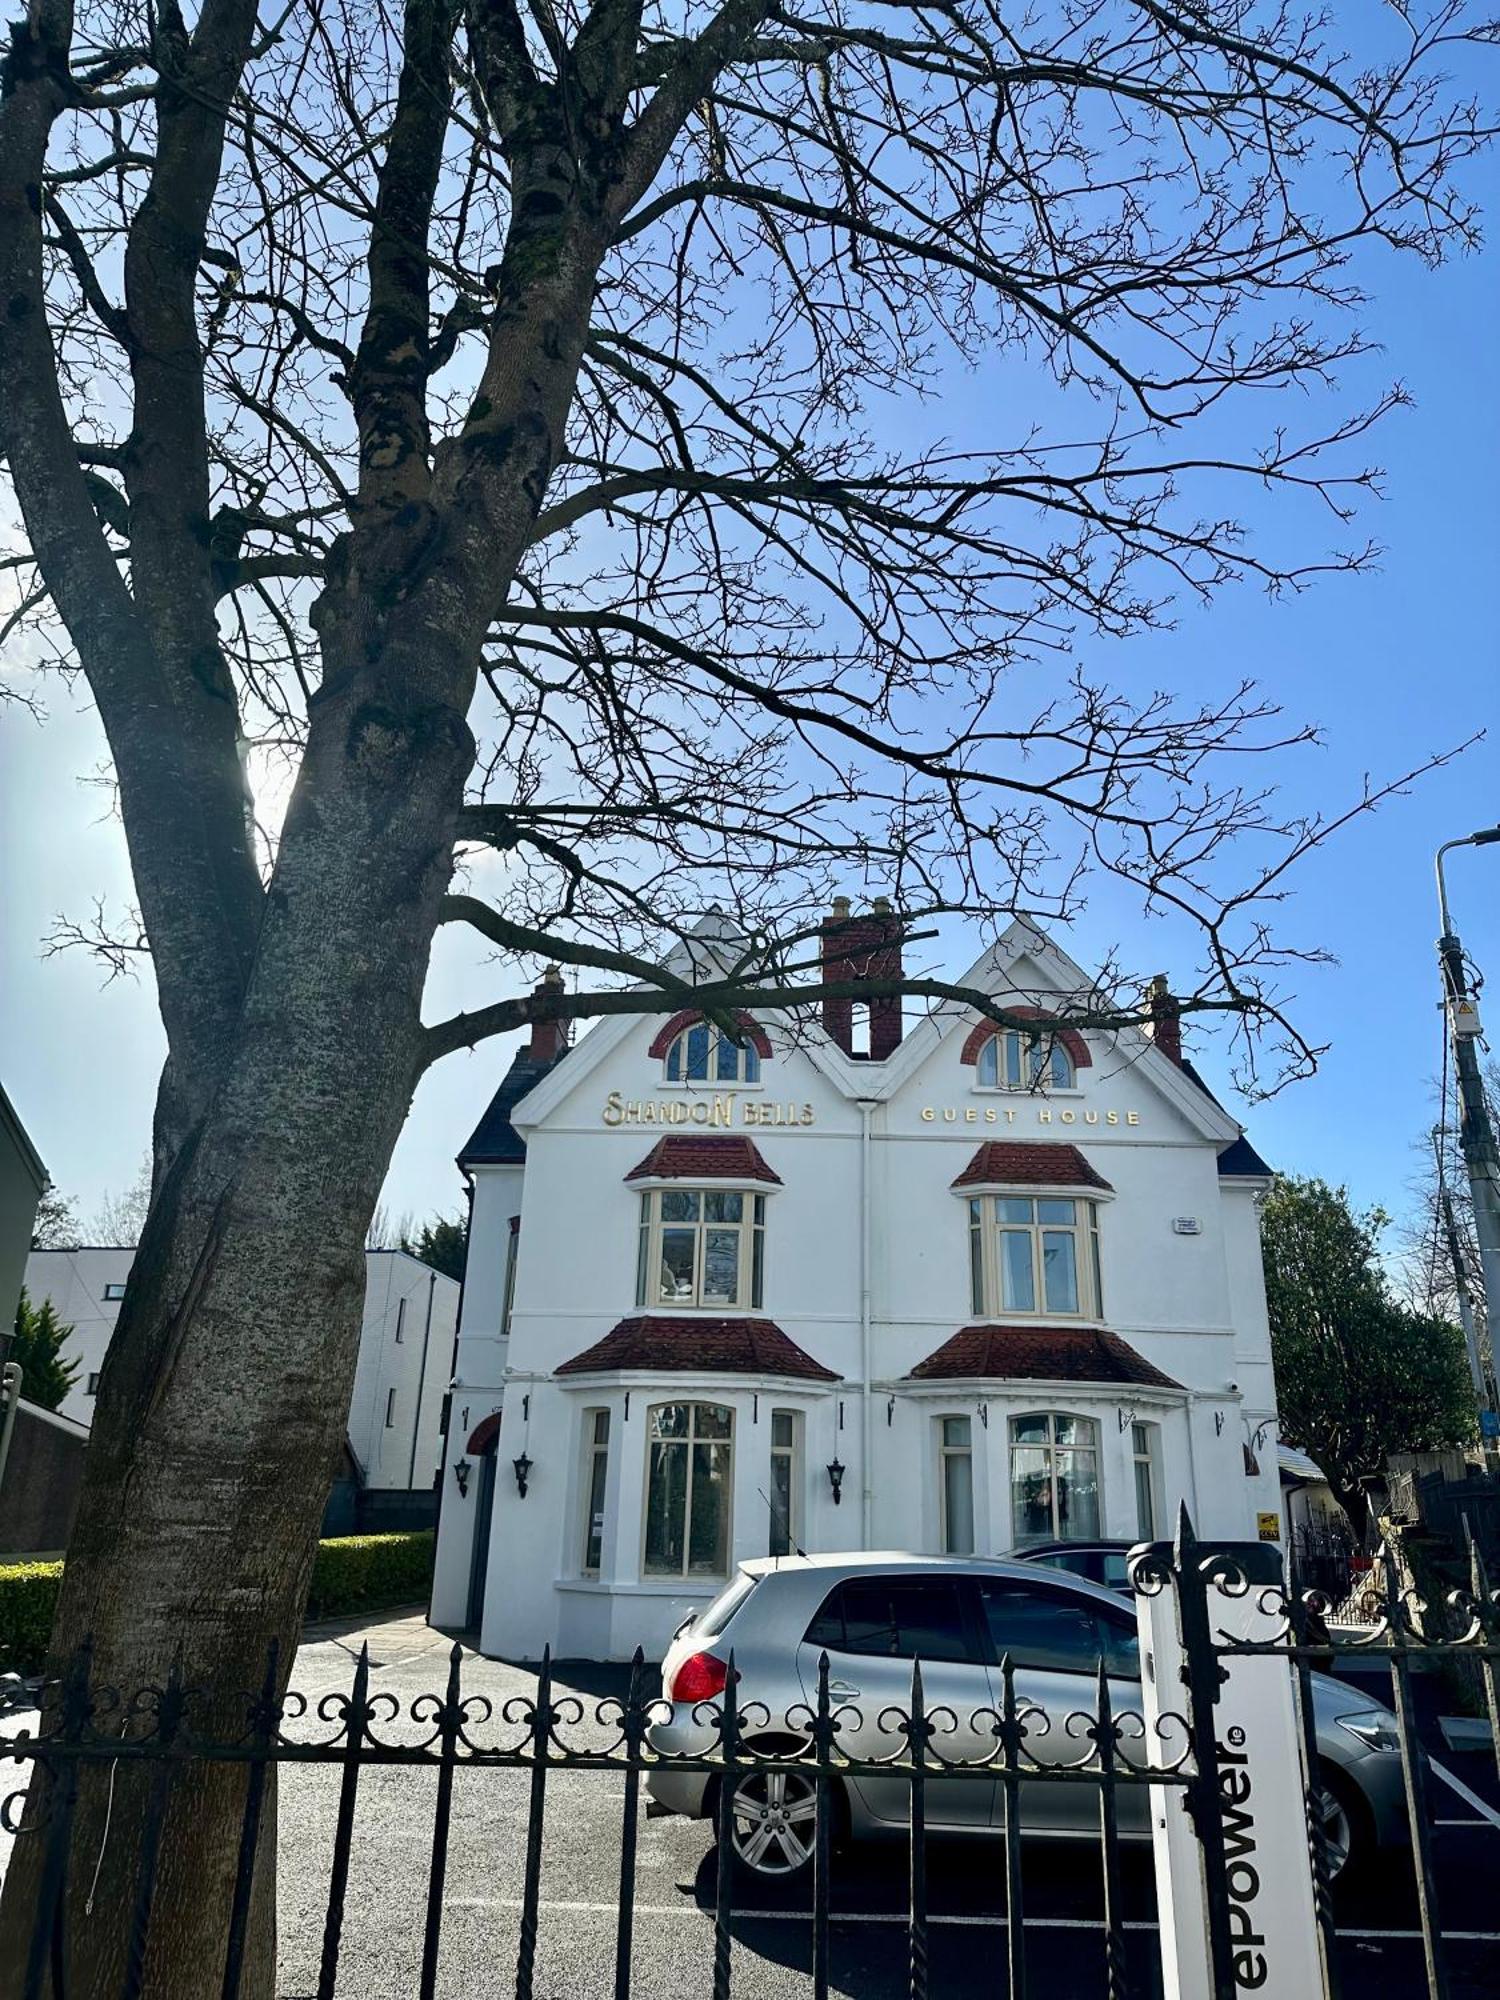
699 1678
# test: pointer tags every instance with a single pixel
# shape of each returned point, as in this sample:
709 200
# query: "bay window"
689 1490
701 1247
785 1482
956 1484
1010 1060
595 1479
1144 1462
1054 1478
1034 1254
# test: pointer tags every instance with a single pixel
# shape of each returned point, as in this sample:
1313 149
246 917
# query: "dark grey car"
874 1615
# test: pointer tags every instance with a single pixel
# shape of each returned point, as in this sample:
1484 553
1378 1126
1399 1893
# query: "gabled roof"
495 1142
701 1345
1039 1354
705 1157
1014 1163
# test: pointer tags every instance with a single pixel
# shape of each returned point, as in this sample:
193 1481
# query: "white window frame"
1147 1455
114 1291
686 1444
1052 1447
792 1453
1012 1060
747 1060
749 1267
390 1409
508 1285
946 1451
985 1222
93 1382
595 1467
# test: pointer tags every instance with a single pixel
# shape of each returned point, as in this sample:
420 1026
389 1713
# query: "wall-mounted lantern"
836 1481
461 1471
523 1473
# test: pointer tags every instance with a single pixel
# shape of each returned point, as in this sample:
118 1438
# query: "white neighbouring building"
841 1286
405 1353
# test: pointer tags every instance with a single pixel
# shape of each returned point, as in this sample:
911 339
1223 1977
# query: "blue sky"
1394 665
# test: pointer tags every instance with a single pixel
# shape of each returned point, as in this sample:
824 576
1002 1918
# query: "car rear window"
895 1617
724 1606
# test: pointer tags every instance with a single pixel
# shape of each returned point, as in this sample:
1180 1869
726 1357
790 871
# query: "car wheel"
774 1824
1344 1823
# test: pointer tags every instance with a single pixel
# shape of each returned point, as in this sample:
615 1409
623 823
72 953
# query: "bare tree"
1425 1273
120 1218
498 432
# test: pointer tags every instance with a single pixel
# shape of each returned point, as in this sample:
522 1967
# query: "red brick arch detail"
1070 1038
759 1040
484 1433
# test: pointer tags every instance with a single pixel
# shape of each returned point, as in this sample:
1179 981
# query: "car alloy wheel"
775 1820
1337 1831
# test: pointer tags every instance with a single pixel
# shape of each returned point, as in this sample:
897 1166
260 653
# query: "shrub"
28 1597
366 1572
356 1573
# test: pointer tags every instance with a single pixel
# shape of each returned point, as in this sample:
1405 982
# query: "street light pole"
1476 1135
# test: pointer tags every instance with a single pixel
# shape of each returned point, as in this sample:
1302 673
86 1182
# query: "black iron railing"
165 1730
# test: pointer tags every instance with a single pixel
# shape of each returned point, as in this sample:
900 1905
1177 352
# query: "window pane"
783 1426
760 1209
643 1264
1031 1493
976 1268
1077 1495
677 1250
1145 1509
677 1206
708 1552
1055 1211
929 1619
723 1208
721 1267
1040 1629
1140 1443
601 1427
674 1061
781 1504
1074 1430
757 1267
752 1064
1030 1430
727 1068
1122 1649
594 1527
1017 1286
1060 1270
666 1500
867 1618
670 1420
958 1506
988 1070
1010 1210
957 1430
1062 1069
697 1052
1013 1059
712 1420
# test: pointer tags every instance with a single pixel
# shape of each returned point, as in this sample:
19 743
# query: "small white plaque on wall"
1186 1225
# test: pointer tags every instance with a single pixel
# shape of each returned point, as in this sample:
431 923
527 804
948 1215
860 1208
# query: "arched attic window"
1014 1059
693 1050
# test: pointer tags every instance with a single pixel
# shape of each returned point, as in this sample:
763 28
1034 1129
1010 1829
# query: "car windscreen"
724 1606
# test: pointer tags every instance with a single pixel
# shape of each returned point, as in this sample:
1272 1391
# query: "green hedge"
364 1572
356 1573
28 1597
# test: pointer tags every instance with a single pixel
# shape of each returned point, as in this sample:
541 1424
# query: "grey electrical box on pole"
1476 1134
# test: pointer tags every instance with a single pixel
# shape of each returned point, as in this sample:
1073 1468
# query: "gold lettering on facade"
990 1114
1044 1116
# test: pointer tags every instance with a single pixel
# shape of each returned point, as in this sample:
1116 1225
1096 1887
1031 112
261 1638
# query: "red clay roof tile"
715 1346
1014 1163
693 1157
1040 1354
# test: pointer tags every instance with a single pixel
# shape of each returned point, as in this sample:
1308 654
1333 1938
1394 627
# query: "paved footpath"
675 1879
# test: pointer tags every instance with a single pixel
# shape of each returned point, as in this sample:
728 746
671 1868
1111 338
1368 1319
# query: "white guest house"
840 1286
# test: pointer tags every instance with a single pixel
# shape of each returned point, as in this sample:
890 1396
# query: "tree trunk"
225 1391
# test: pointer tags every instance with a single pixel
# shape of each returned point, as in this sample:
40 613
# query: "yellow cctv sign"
1269 1526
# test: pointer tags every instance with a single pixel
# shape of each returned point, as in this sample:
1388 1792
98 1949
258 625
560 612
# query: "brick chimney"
548 1037
1166 1019
863 947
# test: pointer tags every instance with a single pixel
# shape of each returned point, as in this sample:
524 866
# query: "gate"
87 1734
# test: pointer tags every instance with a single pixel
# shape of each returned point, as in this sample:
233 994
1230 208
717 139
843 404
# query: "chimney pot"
1166 1018
549 1038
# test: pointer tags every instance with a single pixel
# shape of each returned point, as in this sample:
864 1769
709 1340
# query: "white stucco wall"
75 1282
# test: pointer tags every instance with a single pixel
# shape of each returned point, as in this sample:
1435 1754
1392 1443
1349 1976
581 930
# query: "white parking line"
1469 1798
687 1909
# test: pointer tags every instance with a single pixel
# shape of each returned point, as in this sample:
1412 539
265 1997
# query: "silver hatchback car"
874 1615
